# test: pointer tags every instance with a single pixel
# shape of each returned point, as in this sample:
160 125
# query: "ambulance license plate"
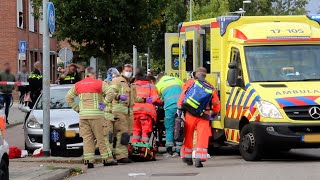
70 134
311 138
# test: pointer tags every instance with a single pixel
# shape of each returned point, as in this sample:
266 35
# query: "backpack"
198 97
140 152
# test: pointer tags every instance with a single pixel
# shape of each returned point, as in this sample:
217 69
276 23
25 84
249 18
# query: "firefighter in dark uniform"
71 76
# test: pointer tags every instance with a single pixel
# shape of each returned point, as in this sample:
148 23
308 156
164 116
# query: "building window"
31 17
20 15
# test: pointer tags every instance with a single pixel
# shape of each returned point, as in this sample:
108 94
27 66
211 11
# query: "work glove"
179 112
101 106
123 97
149 100
212 116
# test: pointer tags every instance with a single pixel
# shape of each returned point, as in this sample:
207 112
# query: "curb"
54 175
67 161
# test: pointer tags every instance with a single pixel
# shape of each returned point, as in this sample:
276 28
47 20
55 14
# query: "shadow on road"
292 156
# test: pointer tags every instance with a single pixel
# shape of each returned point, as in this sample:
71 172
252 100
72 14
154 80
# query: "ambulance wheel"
249 149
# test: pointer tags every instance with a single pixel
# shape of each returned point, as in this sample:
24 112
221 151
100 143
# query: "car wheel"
249 148
4 170
30 151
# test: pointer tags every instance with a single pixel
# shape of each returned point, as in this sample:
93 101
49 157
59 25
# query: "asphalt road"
226 164
294 165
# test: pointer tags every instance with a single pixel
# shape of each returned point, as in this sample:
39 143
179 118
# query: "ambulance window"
189 58
235 57
175 56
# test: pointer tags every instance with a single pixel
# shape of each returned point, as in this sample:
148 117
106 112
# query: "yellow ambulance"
267 72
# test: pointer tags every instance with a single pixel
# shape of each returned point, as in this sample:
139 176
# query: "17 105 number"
277 31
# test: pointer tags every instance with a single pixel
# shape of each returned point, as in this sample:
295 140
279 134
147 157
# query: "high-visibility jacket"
71 78
144 89
91 92
169 88
127 88
35 81
215 103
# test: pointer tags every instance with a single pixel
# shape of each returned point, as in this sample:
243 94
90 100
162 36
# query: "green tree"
204 9
100 27
290 7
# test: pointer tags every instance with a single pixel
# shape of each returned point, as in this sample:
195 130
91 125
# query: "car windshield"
283 63
57 99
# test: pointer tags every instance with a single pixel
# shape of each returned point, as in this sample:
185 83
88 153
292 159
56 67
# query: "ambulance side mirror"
233 74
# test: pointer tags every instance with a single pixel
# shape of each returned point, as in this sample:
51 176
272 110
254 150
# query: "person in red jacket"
200 124
143 110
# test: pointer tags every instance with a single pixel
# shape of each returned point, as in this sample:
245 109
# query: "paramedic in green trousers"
169 89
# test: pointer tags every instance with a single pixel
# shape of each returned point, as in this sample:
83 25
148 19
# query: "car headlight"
268 110
33 123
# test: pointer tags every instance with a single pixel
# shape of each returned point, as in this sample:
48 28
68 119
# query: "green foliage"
36 4
270 7
175 12
290 7
99 27
204 9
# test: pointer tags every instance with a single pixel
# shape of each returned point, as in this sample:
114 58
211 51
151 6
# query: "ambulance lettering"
297 92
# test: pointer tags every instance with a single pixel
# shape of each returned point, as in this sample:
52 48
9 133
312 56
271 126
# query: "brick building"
17 23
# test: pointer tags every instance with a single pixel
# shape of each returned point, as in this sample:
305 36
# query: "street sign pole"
148 60
65 60
46 81
135 59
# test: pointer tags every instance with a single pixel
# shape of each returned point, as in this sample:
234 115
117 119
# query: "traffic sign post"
51 17
65 54
48 27
22 50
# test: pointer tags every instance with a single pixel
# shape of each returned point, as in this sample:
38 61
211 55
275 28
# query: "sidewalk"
37 171
15 116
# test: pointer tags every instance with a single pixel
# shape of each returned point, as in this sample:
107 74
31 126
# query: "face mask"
127 74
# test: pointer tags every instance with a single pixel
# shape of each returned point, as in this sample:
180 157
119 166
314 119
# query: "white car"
61 116
4 155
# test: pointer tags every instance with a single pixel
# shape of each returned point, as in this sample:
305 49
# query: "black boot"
188 161
89 165
125 160
169 150
198 164
110 163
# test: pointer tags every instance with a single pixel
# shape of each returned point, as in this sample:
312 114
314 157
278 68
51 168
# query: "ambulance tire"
249 149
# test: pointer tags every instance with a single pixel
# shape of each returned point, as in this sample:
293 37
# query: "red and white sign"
14 83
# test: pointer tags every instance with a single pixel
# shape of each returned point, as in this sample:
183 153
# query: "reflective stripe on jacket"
146 89
215 103
169 89
124 87
90 92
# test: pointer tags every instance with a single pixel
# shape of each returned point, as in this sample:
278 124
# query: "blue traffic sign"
51 17
22 47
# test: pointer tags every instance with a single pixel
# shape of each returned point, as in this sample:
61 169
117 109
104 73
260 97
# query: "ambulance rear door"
172 54
191 43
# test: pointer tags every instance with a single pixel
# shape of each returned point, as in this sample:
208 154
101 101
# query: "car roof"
57 86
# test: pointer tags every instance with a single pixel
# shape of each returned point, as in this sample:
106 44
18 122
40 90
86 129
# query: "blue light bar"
314 18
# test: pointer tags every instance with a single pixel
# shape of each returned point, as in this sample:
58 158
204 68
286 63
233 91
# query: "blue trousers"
169 125
5 101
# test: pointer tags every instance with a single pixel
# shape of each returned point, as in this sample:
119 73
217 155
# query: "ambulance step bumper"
287 135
